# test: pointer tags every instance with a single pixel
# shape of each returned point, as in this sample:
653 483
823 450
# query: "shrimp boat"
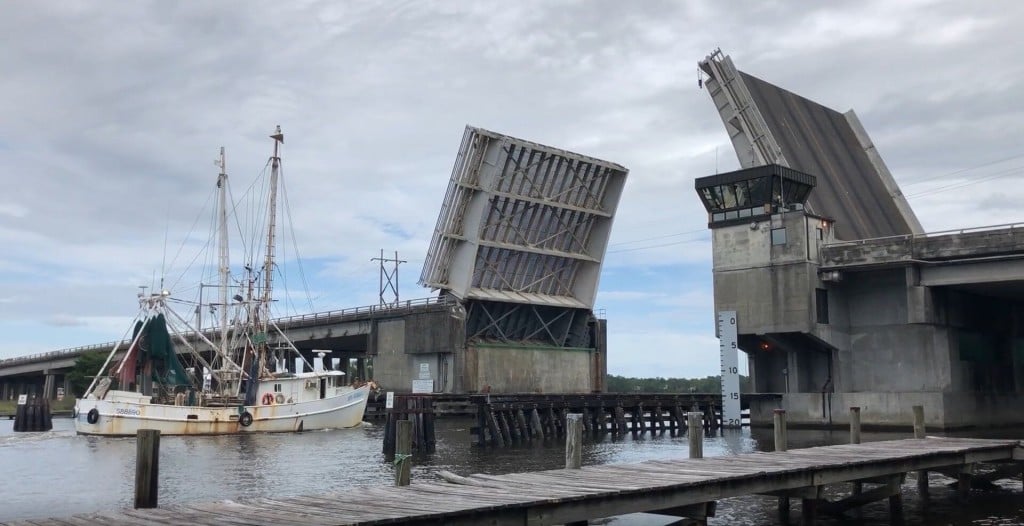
237 382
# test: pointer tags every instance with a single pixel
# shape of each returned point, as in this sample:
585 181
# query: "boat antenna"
224 262
163 264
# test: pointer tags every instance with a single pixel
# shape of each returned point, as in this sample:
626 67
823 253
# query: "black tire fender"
245 419
93 416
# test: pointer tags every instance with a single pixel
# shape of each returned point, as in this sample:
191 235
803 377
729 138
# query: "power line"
657 237
683 242
954 186
927 178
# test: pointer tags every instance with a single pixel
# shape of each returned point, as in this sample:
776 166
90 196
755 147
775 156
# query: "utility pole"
388 277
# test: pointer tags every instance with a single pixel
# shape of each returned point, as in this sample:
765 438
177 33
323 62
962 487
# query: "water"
59 473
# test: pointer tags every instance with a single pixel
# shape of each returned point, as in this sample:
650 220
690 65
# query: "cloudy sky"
113 112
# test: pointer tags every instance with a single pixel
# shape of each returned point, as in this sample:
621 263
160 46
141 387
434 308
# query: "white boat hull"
124 418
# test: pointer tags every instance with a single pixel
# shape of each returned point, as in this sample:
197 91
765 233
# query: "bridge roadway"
344 330
679 487
985 260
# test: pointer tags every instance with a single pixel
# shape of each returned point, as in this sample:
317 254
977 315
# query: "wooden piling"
919 432
403 452
680 420
33 415
809 511
492 425
147 468
779 422
919 421
513 426
855 439
855 425
535 423
696 429
620 420
521 420
896 508
503 427
429 432
573 441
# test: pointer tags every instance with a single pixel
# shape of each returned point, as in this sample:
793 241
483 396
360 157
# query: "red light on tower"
765 346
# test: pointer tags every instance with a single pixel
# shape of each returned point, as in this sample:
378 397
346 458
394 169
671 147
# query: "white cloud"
114 116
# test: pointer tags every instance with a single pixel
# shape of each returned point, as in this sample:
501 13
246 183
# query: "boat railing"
288 321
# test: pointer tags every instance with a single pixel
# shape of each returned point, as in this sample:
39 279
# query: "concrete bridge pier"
49 387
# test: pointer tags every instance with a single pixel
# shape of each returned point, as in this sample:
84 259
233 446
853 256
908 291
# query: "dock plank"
555 496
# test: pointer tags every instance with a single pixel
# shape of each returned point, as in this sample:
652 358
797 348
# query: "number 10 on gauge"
730 368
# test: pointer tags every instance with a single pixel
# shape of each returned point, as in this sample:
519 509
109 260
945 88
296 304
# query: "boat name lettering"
128 411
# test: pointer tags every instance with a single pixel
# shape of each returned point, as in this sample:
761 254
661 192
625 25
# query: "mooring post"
573 441
574 448
855 439
779 423
922 475
403 452
147 468
695 425
855 425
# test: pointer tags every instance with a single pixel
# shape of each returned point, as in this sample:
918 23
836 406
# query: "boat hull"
125 418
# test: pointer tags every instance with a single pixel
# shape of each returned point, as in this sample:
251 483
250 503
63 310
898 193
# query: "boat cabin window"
277 388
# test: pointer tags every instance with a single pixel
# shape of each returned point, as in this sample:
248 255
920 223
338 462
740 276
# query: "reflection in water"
96 473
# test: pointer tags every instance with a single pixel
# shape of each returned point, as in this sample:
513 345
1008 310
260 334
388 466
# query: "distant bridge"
348 333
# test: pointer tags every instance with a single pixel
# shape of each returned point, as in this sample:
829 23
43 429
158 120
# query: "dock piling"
696 429
855 425
919 432
855 439
779 422
919 421
32 414
403 452
147 468
573 441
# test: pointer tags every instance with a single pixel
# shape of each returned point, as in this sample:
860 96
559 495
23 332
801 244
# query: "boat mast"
268 264
224 256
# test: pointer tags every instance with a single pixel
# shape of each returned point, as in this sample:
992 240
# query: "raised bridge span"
515 258
841 298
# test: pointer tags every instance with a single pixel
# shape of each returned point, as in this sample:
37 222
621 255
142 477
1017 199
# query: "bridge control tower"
841 299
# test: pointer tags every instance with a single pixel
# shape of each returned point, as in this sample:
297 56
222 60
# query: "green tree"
85 369
708 384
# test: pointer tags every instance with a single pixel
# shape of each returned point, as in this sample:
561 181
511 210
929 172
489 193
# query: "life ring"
279 398
268 398
93 416
245 419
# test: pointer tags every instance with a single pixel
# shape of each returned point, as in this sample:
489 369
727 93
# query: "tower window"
821 304
778 236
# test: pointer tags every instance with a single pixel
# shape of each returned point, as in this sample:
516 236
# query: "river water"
58 473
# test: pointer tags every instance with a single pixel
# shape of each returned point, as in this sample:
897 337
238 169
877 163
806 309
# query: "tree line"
708 384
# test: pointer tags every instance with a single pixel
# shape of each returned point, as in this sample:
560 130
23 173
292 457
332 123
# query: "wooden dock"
681 487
